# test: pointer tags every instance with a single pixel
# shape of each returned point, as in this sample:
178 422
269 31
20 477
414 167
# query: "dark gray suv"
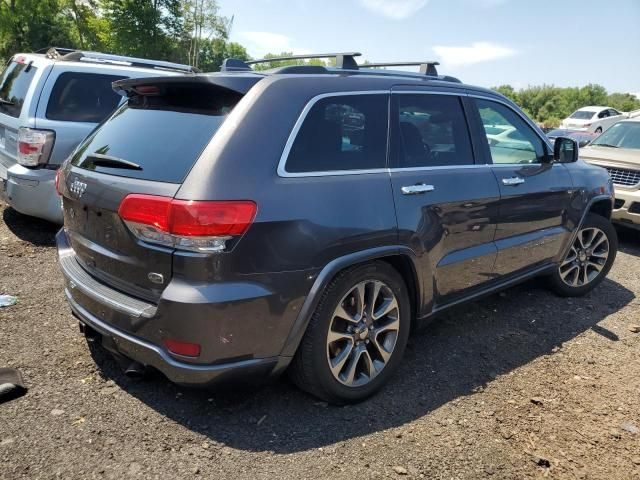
234 225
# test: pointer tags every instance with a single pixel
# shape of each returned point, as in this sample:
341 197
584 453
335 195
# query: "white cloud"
476 53
394 9
258 44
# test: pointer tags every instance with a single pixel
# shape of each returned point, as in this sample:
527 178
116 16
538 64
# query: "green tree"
90 29
548 104
212 53
27 25
286 63
203 24
144 28
623 101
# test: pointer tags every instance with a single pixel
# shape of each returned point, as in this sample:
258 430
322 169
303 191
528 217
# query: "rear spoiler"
240 84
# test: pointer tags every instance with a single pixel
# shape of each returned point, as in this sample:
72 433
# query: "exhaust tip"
135 370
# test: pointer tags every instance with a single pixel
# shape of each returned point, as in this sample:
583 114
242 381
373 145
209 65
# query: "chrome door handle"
417 189
513 181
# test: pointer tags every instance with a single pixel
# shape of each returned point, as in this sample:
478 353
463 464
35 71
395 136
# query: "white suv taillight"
198 226
34 146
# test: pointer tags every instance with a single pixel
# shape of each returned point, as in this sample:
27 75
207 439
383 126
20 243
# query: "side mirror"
565 150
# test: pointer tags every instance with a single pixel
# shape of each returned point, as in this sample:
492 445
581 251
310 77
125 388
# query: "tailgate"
102 243
147 147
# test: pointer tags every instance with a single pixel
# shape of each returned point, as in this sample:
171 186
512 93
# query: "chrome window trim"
428 92
282 171
440 167
511 165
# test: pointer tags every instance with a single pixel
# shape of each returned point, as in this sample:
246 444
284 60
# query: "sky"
482 42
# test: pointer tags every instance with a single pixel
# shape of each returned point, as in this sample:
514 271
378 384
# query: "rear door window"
432 131
82 97
343 132
14 85
163 135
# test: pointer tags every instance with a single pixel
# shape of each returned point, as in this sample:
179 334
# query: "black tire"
310 369
562 288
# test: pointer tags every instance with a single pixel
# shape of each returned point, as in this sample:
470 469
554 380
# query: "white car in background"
506 136
592 119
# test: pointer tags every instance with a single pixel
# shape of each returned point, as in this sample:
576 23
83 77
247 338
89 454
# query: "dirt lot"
520 385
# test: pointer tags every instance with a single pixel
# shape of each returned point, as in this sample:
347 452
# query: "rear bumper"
231 332
33 192
148 354
629 212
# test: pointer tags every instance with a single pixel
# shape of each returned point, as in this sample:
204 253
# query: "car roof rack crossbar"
68 54
344 60
426 68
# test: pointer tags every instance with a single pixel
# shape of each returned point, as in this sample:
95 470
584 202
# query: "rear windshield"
14 84
162 136
582 114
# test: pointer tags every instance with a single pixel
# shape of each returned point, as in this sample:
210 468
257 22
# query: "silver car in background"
49 102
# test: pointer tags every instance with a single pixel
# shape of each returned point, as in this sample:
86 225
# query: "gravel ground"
520 385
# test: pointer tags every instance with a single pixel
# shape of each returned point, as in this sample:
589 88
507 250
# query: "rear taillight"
201 226
34 146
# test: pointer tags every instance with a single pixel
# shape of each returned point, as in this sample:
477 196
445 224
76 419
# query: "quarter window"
346 132
82 97
432 131
518 143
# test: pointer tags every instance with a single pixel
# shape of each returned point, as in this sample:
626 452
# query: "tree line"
194 32
184 31
548 104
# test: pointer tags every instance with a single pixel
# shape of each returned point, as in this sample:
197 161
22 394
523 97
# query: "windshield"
621 135
582 115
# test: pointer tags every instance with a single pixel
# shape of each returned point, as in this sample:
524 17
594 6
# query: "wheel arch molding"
402 258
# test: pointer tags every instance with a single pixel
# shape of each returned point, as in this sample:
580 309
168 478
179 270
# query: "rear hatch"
146 147
15 81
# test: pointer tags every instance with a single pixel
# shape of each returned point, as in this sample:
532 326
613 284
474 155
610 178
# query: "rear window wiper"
100 160
6 102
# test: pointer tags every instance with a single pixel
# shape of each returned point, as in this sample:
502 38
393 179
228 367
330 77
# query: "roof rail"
344 60
67 54
426 68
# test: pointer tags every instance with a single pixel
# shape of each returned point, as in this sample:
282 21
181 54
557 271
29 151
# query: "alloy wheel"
586 258
362 333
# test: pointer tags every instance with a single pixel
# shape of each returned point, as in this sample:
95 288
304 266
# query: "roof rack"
344 60
67 54
426 68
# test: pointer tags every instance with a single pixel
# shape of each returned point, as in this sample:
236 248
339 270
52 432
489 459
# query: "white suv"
48 103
